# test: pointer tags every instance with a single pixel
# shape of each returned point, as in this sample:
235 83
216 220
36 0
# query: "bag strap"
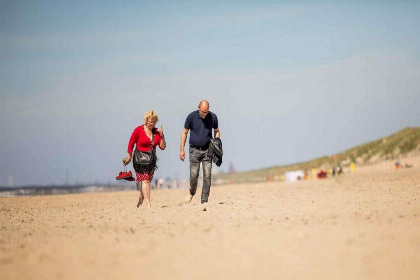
153 137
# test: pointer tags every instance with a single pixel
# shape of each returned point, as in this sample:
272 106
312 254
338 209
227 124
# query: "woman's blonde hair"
151 115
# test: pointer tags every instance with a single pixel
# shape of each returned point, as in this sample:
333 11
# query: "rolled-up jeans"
198 156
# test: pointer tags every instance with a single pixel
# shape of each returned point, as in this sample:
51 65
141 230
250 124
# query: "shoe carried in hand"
125 175
122 175
131 178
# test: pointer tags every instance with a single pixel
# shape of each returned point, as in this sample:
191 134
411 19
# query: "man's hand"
183 140
216 133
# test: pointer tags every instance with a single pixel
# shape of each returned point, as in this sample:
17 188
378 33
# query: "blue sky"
289 80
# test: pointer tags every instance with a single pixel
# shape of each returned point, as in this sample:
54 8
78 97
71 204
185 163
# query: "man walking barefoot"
201 123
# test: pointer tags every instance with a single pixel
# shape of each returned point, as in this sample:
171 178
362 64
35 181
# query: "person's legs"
194 156
138 186
141 196
207 163
145 185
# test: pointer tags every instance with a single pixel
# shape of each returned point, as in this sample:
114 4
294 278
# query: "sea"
61 190
92 188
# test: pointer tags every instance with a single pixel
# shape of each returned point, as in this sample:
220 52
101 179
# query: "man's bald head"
204 105
203 108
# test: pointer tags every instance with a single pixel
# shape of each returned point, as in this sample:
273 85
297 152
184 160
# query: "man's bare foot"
188 199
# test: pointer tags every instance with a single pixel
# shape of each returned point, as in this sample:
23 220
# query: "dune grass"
391 147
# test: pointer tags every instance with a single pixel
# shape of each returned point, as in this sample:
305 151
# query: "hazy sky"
289 80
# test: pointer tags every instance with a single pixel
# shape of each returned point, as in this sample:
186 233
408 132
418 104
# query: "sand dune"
364 225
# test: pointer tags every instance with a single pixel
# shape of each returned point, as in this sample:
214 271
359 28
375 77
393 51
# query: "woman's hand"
128 160
162 144
160 130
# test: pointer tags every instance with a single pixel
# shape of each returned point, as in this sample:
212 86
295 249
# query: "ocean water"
43 190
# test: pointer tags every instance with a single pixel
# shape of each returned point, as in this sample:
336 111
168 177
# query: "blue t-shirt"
201 129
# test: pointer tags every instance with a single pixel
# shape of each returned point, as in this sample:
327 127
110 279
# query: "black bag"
216 146
141 159
144 158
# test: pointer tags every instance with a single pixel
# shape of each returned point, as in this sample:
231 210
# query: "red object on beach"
322 174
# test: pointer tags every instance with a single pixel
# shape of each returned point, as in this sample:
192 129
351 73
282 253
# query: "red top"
143 143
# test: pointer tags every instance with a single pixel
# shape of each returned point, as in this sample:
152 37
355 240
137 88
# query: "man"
200 123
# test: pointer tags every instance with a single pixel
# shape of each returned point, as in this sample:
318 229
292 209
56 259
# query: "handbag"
145 158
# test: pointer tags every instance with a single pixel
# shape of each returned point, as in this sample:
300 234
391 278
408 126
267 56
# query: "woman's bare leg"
141 196
146 192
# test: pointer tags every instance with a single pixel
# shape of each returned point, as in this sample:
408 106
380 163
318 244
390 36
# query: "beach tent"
293 176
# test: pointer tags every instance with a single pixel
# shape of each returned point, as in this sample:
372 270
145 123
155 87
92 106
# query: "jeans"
196 157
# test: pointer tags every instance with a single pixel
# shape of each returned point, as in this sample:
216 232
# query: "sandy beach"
364 225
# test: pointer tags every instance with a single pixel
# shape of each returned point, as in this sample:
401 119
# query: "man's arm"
183 140
216 133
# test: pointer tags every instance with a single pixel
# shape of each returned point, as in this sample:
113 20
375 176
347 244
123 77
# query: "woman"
142 136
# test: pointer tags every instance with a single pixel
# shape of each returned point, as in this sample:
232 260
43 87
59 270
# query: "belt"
202 148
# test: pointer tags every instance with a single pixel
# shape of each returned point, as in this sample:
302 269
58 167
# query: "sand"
364 225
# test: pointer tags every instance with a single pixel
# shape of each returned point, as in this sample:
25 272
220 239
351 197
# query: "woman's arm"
133 140
162 144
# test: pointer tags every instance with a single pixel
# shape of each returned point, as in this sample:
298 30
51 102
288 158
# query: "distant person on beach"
201 123
399 165
146 137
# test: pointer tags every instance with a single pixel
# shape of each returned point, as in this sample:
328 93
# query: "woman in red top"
142 137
